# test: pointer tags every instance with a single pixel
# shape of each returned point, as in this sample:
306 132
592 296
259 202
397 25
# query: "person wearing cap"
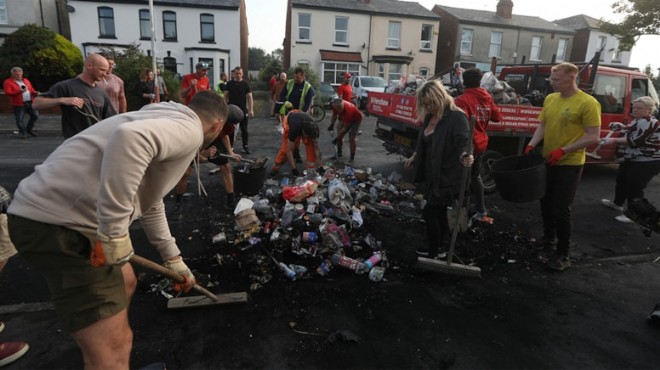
195 82
350 119
345 91
298 126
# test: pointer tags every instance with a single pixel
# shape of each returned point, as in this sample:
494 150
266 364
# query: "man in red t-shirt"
476 101
345 91
193 83
351 118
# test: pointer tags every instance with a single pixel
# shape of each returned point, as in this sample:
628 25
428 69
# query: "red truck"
397 125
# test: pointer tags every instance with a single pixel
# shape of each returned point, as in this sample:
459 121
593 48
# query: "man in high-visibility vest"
298 92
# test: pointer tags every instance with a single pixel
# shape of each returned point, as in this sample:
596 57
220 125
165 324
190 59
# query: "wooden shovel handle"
163 271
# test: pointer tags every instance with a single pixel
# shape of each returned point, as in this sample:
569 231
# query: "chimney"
505 9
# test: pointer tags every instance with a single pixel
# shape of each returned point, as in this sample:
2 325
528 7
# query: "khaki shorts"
82 294
6 247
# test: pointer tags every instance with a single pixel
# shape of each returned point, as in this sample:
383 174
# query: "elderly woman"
640 151
439 159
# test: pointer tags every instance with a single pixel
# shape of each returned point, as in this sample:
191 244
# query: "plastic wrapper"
299 193
339 195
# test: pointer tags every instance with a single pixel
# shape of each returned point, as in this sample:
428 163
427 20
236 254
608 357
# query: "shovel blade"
201 301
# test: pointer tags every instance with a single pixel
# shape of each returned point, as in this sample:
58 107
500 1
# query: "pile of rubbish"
312 225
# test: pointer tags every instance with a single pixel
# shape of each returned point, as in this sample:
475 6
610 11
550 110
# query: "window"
381 70
535 53
395 72
427 37
495 44
341 30
561 50
145 24
106 22
616 55
394 35
207 27
304 27
424 72
169 25
610 92
3 12
466 41
334 72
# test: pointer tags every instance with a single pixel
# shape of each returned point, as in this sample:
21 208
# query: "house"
46 13
386 38
186 31
478 38
589 39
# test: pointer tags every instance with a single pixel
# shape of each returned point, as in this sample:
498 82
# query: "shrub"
45 56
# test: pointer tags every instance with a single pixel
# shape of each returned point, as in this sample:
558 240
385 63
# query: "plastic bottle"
376 274
346 262
288 272
373 260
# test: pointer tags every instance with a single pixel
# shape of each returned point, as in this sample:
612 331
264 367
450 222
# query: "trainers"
609 204
245 149
12 351
655 314
32 133
558 263
422 252
623 218
214 170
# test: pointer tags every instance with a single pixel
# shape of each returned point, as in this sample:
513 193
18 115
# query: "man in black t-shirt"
238 92
82 102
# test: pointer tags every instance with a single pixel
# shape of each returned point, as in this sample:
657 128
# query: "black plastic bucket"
520 178
248 182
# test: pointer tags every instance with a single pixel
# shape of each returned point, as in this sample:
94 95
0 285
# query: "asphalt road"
519 315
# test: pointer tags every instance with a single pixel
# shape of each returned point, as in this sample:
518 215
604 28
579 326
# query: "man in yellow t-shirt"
570 121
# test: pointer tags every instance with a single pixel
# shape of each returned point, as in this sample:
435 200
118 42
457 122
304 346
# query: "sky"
267 18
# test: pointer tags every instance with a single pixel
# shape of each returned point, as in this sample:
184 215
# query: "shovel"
258 163
208 298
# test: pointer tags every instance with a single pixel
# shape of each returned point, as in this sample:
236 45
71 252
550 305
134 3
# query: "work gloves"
111 251
555 155
177 265
528 149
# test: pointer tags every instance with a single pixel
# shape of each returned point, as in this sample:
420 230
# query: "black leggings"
437 226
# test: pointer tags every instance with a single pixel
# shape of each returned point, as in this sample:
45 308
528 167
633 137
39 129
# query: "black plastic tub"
520 179
248 182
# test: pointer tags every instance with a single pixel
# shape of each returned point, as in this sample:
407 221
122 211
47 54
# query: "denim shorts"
82 294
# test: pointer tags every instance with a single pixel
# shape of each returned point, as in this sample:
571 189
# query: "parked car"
363 84
326 94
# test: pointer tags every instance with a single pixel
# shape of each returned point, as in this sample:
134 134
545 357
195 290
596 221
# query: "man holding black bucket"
570 121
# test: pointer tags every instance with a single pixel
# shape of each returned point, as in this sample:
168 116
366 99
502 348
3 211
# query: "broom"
448 266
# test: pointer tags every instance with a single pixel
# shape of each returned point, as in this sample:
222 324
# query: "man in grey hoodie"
71 212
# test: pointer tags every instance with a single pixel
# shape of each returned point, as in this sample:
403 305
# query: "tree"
642 18
45 56
129 65
256 58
